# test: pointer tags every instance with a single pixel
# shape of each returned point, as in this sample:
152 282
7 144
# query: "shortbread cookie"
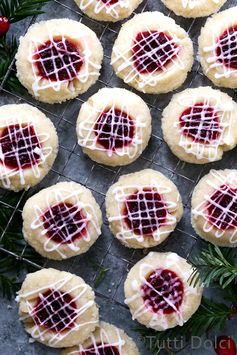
218 48
214 207
158 292
152 53
62 220
57 308
28 146
114 126
108 10
200 124
106 340
194 8
143 208
58 59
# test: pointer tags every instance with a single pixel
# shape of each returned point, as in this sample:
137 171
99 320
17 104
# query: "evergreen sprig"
16 10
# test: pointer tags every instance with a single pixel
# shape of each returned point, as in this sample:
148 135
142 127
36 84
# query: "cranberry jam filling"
58 60
114 129
101 349
163 291
145 211
64 223
19 145
201 123
226 50
110 2
55 310
222 208
153 51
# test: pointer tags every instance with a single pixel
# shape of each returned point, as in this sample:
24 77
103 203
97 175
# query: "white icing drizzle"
160 318
39 332
6 172
82 76
226 213
100 6
151 79
88 138
63 196
121 194
224 111
191 4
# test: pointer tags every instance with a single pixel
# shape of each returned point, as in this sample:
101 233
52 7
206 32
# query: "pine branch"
8 269
17 10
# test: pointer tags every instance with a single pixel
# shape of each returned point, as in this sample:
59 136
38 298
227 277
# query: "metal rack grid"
71 164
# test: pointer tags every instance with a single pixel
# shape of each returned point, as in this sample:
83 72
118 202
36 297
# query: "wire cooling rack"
72 164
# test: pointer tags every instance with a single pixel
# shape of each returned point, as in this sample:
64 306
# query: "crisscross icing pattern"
111 7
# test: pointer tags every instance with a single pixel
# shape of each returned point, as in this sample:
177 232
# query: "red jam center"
201 123
163 291
145 211
19 146
226 50
101 349
153 51
58 60
64 223
114 129
110 2
55 310
222 208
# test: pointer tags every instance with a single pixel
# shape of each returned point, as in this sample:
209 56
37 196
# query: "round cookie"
194 8
200 124
58 59
62 221
152 53
214 207
114 126
218 48
108 10
158 293
106 339
57 308
28 146
143 208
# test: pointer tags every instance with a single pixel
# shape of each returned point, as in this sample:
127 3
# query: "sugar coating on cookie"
57 308
62 221
108 10
194 8
143 208
200 124
214 207
58 59
106 339
218 48
28 146
158 292
152 53
114 126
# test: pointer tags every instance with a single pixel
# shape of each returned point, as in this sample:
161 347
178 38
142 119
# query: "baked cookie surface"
200 124
114 126
152 53
58 59
28 146
57 308
158 293
143 208
62 221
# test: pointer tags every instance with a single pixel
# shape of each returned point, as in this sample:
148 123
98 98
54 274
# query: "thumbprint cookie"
152 53
143 208
200 124
62 221
28 146
57 308
158 292
214 207
218 48
108 10
194 8
58 59
114 126
106 340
